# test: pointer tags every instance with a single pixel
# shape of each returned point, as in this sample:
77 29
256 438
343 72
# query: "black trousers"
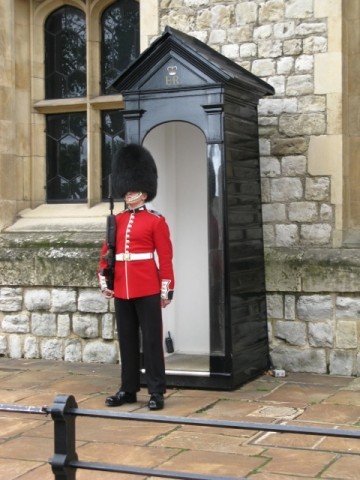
131 315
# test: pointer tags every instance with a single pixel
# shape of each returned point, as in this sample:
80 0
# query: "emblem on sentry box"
172 70
172 78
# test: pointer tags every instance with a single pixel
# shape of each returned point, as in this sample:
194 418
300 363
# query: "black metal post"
64 438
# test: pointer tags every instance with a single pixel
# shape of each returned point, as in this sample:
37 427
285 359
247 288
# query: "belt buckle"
127 256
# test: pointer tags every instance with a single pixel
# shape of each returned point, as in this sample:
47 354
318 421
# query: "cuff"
166 293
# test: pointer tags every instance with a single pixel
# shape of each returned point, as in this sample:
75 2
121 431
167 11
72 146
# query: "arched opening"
179 149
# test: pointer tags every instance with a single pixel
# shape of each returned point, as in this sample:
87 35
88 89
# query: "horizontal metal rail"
65 461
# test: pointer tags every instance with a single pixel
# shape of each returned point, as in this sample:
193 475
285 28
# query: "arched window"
83 126
65 53
66 134
120 39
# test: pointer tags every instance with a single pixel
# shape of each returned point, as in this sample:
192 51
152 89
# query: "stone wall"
50 303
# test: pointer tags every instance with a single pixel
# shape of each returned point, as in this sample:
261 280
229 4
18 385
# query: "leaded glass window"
66 158
65 53
113 136
120 39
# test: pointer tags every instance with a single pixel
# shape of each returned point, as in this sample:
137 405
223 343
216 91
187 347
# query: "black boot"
156 401
120 398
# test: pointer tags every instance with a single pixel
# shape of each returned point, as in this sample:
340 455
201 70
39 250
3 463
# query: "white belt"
127 256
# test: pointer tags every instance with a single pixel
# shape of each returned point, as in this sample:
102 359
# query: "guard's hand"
165 302
108 293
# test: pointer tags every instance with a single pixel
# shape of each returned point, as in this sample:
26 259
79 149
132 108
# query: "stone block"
73 351
299 8
299 85
271 11
289 146
348 307
310 28
17 323
286 189
43 324
86 326
51 349
341 363
284 65
263 67
316 234
317 189
107 326
303 212
321 334
92 300
269 167
292 46
37 299
289 307
286 235
10 299
63 300
284 30
304 64
246 12
315 44
293 333
63 325
262 31
3 345
100 352
312 103
315 307
274 212
15 346
31 347
293 359
269 48
303 124
275 308
293 165
346 335
276 106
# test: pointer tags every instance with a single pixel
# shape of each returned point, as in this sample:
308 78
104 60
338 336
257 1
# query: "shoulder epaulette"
154 212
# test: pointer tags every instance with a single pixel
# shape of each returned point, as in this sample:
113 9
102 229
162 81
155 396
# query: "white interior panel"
179 150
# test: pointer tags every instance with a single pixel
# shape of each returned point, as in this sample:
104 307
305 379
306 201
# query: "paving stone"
342 445
296 462
213 463
120 431
120 454
345 397
332 414
305 394
345 468
207 442
11 470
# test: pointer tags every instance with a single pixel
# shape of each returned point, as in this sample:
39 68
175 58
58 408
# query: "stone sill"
312 270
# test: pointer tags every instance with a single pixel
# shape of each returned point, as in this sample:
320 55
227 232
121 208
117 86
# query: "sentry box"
196 111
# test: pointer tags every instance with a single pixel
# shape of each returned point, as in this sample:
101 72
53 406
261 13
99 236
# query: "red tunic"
141 231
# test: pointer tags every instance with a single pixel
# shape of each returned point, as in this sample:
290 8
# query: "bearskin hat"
134 170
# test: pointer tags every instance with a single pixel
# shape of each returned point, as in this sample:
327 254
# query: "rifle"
108 272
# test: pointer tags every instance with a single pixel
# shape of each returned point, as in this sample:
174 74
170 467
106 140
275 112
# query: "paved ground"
26 440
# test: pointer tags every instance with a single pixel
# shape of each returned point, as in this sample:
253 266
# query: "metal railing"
65 461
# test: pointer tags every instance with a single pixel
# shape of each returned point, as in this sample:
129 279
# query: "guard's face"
135 198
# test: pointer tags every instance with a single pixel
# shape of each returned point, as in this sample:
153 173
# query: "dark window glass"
65 53
112 138
120 39
66 158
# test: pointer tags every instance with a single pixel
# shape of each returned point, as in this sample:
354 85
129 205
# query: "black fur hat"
134 170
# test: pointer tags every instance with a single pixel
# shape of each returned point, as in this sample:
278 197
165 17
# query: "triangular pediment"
176 60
